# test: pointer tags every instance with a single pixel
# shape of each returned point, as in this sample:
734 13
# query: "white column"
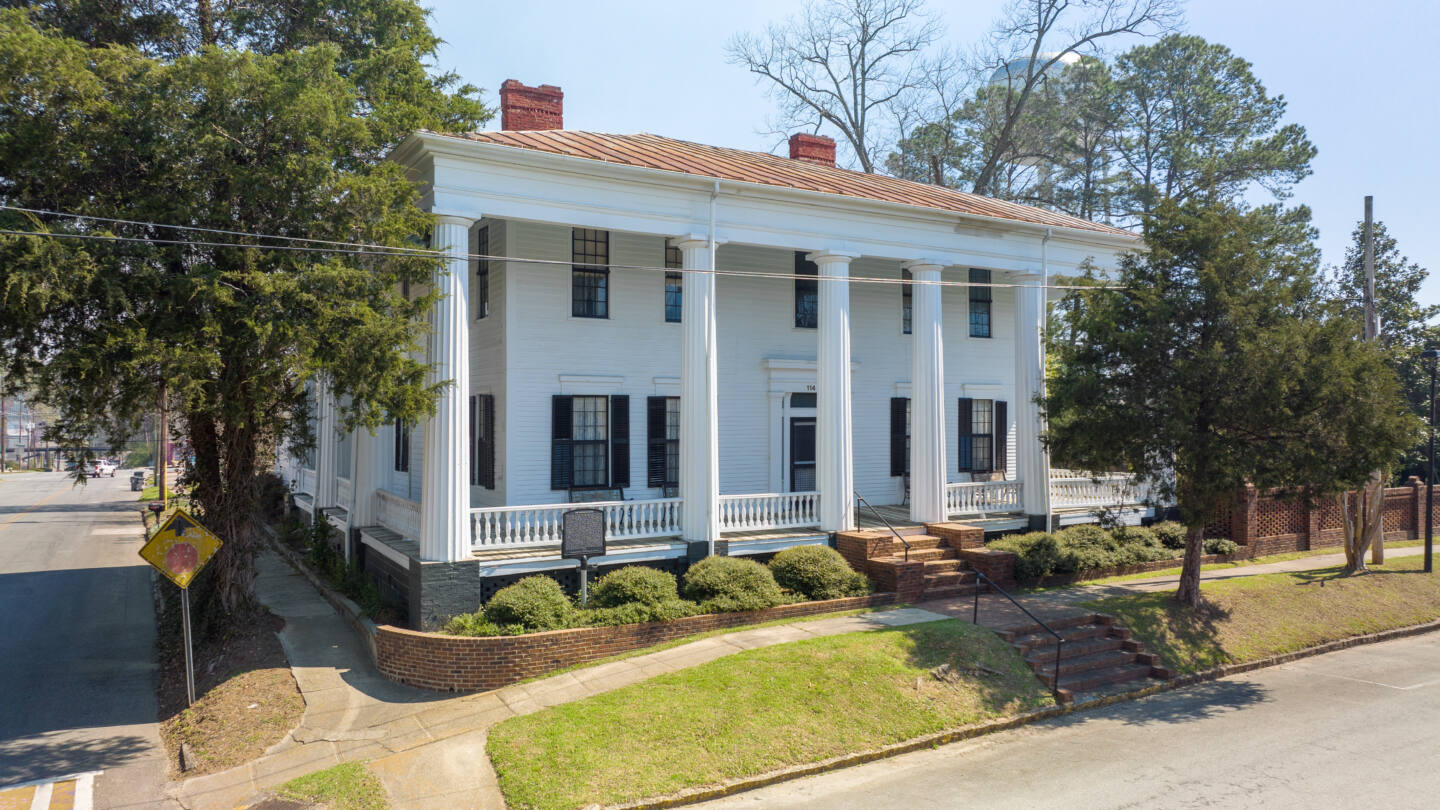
445 495
326 490
1031 468
699 420
834 457
927 398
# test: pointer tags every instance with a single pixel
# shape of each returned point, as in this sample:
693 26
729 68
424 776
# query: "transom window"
673 285
807 293
590 274
590 433
979 304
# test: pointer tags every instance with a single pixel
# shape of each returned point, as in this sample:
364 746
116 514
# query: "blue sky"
1361 83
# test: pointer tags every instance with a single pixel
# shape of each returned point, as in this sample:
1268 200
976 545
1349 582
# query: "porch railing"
520 526
772 510
982 497
1109 490
307 481
344 493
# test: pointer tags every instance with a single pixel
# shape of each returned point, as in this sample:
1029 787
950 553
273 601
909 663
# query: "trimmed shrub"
634 584
1221 545
474 624
1171 534
729 584
817 572
1037 554
533 603
637 612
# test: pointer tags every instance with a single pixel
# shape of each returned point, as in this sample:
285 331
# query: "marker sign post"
582 536
179 549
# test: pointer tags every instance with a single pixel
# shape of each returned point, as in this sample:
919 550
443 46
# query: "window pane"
807 293
907 302
590 251
802 400
672 441
482 274
980 298
981 415
589 419
673 298
589 469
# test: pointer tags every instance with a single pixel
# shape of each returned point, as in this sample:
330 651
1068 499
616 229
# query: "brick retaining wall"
470 663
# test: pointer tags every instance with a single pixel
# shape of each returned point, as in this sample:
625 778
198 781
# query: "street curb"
701 794
348 610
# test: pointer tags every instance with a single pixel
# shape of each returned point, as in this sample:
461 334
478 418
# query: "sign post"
582 536
179 549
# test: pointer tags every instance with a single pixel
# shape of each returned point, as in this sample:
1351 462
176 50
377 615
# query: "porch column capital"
922 265
453 219
692 241
824 258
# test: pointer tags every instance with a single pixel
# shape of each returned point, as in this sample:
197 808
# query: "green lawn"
347 786
1256 617
756 711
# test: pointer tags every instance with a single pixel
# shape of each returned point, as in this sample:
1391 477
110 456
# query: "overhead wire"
366 249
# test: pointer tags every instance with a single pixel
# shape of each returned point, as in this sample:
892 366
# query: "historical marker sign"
180 548
582 534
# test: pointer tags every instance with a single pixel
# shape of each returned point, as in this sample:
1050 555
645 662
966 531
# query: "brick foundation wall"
466 664
998 565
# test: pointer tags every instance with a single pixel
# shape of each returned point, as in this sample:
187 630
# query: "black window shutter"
655 441
487 450
1002 431
560 433
899 459
619 440
474 447
966 431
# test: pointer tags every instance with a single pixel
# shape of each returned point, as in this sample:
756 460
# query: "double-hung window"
589 273
983 427
899 435
980 303
482 273
807 293
482 440
662 442
907 301
402 446
674 289
590 442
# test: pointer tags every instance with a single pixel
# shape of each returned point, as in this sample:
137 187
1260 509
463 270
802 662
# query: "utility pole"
4 429
1372 332
160 457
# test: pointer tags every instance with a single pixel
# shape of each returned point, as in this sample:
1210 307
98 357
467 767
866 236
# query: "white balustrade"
399 515
344 493
518 526
307 482
1105 491
774 510
982 497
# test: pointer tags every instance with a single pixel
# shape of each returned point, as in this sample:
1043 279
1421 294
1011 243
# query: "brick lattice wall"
1269 523
466 663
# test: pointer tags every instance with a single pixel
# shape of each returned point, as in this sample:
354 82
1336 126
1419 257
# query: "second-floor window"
674 289
482 274
402 446
907 302
807 293
590 273
980 303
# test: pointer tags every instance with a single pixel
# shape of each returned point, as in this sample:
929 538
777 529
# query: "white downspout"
1044 323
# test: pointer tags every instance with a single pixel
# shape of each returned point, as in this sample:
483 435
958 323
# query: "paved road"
1354 728
77 639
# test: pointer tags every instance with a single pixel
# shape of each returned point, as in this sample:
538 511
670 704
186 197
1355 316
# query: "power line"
363 249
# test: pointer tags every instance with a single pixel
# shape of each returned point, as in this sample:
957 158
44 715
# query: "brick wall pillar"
1417 512
1312 525
1242 516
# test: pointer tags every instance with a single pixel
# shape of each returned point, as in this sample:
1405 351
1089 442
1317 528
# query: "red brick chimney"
812 148
523 107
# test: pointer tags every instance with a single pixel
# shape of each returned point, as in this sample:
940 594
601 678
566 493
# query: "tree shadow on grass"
1186 639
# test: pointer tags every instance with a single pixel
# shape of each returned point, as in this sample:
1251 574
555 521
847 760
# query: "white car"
102 467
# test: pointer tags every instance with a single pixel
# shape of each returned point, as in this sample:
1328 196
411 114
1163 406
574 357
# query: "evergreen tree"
263 118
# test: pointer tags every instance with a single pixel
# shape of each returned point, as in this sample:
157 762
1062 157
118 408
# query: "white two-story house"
721 349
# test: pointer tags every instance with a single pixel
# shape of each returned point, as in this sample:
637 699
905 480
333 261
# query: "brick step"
1033 642
946 578
1095 679
1109 659
1045 654
928 554
1059 623
919 541
943 566
954 591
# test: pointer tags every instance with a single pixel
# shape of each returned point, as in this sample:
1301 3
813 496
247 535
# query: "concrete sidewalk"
428 748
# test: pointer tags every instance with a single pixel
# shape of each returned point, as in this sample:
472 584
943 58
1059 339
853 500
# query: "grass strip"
757 711
1269 614
347 786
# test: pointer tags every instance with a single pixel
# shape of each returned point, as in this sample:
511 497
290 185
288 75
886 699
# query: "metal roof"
685 157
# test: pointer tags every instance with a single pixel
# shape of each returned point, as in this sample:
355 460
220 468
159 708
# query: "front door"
802 454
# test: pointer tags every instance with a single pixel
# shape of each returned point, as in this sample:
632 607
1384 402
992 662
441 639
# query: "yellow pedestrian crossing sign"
180 548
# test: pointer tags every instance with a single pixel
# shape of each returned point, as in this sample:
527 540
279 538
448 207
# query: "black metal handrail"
877 514
1059 639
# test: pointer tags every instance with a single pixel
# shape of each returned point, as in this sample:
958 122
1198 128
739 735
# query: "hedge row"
1088 548
639 594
